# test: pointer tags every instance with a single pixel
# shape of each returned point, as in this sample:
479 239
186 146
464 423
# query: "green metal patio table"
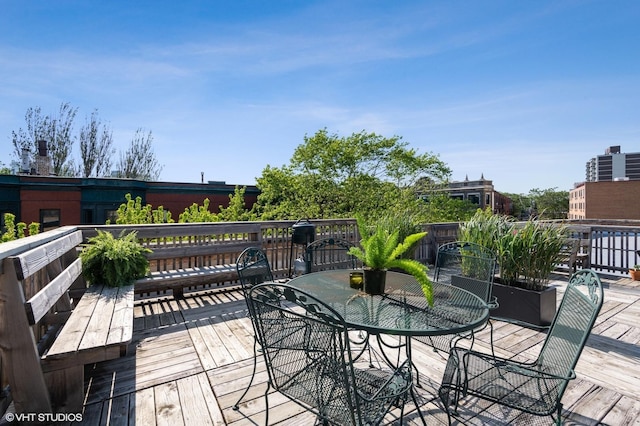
401 311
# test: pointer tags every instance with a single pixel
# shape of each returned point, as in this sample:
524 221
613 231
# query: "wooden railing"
612 246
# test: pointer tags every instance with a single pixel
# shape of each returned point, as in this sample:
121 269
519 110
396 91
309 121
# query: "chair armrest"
493 303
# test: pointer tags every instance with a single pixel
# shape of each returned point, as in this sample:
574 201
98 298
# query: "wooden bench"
185 256
48 335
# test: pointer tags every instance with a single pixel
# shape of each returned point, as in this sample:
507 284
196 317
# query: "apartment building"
611 189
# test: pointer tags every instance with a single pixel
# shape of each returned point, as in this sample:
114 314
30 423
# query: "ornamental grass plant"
526 254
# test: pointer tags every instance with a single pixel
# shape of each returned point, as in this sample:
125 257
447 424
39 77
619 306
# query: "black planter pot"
478 287
530 306
374 280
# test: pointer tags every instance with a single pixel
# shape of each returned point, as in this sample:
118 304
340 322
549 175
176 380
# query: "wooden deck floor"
191 359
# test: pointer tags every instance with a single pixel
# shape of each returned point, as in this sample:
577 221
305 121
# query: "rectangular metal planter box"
472 285
533 307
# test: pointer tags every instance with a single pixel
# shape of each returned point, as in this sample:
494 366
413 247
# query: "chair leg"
236 406
493 352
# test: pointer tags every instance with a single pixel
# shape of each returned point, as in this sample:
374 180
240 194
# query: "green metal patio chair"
537 387
333 253
329 253
253 268
307 353
471 267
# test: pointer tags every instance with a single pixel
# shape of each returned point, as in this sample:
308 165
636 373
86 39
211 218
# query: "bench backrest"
34 288
189 245
62 267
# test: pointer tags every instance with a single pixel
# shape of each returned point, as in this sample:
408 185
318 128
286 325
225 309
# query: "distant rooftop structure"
480 192
614 165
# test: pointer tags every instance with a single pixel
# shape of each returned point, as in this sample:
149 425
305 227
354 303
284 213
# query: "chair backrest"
306 349
572 324
467 265
329 253
253 268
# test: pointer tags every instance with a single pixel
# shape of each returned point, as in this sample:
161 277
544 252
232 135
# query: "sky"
523 93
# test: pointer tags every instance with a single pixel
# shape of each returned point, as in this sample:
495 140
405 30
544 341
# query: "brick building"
56 201
611 188
480 192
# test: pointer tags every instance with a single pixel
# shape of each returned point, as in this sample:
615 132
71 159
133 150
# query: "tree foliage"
197 213
541 203
133 212
96 147
56 130
236 210
330 176
13 230
139 160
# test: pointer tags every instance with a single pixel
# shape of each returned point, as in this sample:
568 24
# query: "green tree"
4 170
442 208
133 212
197 213
96 147
139 161
550 203
542 203
13 230
331 176
56 130
236 210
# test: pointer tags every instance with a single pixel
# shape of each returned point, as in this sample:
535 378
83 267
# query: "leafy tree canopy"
96 146
330 176
542 203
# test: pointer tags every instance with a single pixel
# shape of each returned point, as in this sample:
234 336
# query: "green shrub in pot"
114 261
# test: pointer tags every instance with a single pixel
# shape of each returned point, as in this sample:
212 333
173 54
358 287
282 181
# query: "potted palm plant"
381 249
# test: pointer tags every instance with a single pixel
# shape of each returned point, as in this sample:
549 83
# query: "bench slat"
30 262
121 329
38 306
99 324
186 277
73 331
160 252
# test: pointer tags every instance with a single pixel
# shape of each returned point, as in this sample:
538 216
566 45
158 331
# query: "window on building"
474 198
87 216
112 215
49 218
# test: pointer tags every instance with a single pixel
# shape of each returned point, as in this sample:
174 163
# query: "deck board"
191 359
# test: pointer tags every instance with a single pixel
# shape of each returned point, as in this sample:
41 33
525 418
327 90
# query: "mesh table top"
402 309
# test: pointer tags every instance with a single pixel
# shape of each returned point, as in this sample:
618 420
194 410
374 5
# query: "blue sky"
524 92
